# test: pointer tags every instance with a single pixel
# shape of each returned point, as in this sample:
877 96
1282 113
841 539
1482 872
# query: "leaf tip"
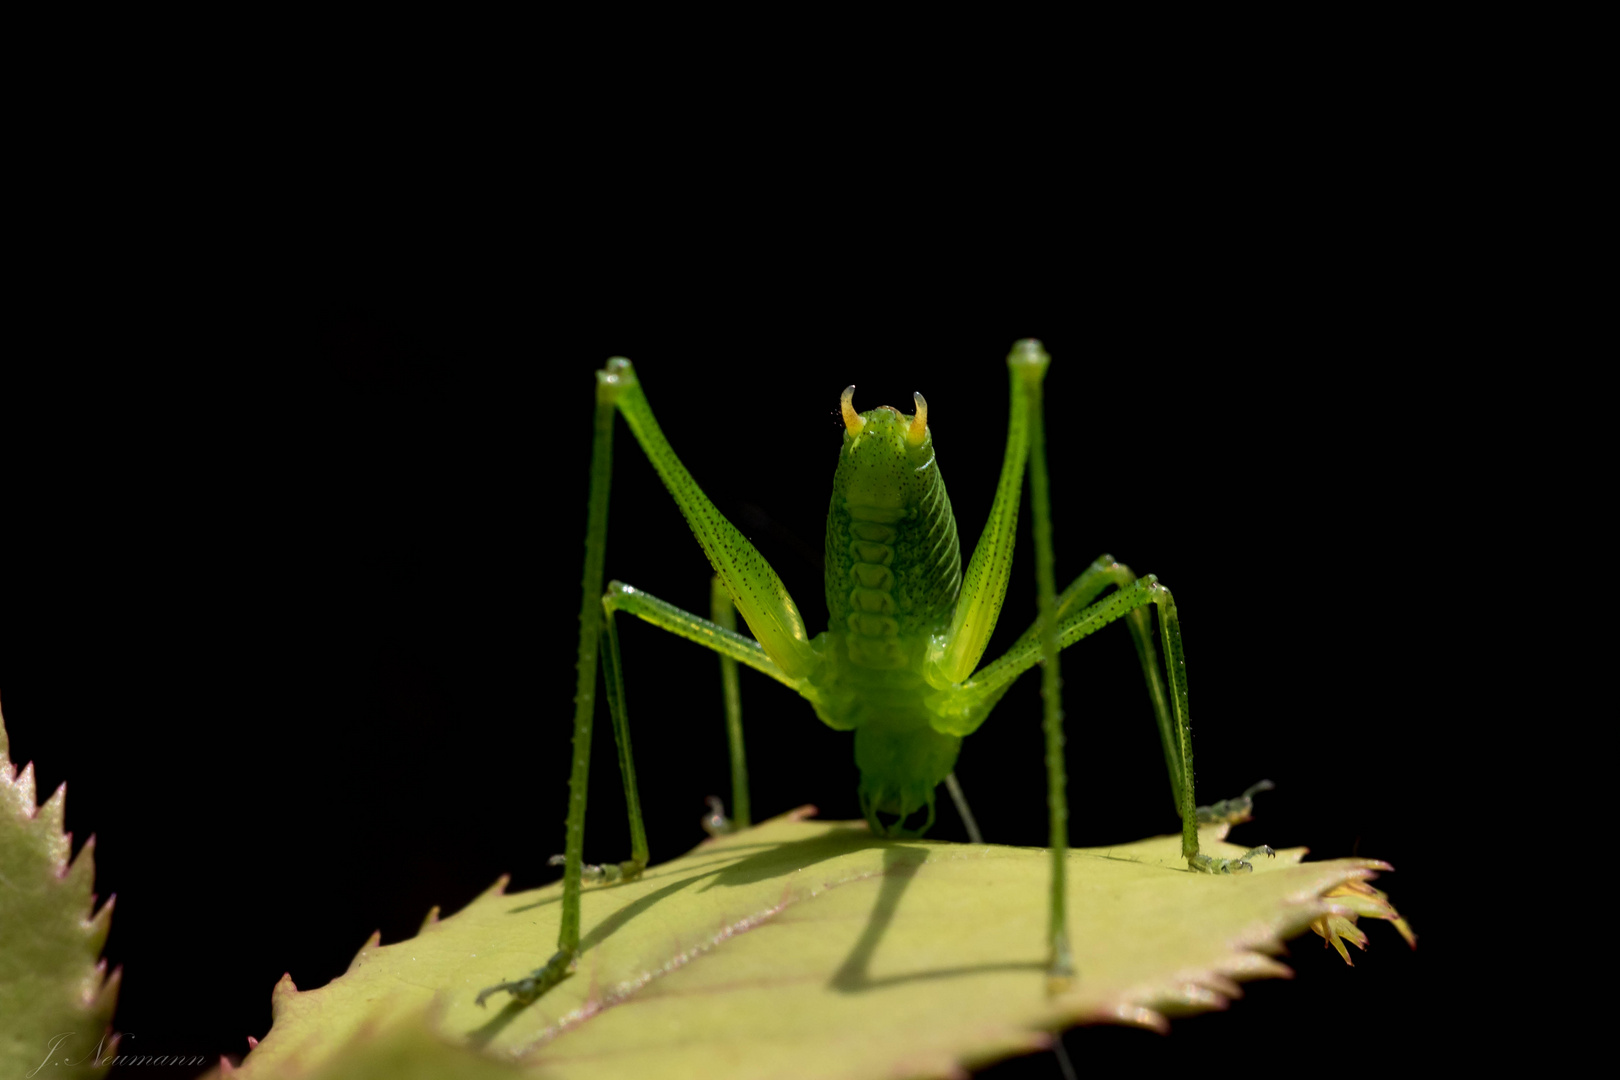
1139 1016
371 943
54 806
24 783
284 990
87 850
100 921
104 995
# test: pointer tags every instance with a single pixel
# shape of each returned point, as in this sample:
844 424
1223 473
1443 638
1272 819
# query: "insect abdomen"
893 562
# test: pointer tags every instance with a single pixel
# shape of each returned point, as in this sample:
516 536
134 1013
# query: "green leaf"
56 1003
812 949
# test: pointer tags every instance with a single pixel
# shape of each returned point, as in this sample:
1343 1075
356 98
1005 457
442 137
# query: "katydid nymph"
899 664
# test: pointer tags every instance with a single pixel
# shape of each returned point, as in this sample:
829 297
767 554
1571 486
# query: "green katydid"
899 664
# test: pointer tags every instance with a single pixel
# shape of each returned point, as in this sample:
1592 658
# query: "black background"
292 586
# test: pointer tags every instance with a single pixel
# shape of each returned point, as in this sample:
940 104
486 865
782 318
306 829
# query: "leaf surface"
812 949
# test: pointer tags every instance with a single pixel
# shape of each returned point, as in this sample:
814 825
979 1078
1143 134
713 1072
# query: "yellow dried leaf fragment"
1356 899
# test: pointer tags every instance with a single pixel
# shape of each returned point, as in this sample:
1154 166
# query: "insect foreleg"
621 739
954 786
724 613
1175 662
600 873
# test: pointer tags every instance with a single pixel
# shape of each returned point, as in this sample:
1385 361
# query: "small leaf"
813 949
56 1001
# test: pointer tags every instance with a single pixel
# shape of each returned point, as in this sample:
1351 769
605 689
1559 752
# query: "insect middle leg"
1079 619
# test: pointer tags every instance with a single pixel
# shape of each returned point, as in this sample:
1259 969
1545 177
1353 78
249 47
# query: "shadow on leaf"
900 865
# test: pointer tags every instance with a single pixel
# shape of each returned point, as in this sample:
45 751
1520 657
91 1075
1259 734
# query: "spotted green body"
893 574
908 624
